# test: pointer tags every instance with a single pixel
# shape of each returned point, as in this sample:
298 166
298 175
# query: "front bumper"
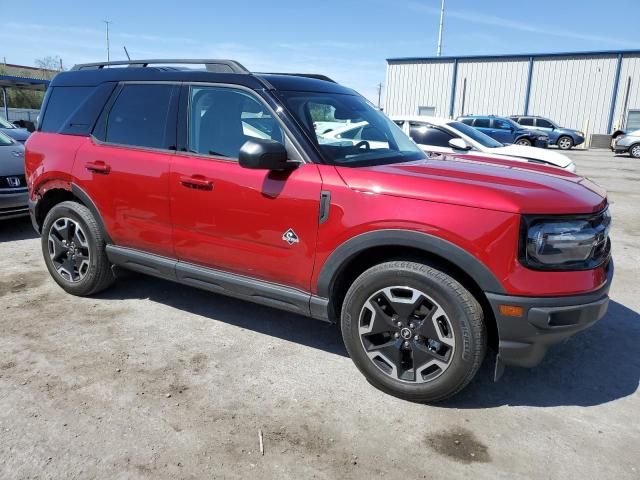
620 149
13 203
541 142
524 340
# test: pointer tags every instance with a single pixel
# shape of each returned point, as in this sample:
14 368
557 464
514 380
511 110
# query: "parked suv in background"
564 138
506 130
628 143
217 179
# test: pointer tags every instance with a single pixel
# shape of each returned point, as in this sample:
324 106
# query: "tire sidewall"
631 150
87 283
570 143
525 142
463 358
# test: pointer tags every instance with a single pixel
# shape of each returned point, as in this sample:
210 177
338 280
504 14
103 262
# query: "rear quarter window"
60 106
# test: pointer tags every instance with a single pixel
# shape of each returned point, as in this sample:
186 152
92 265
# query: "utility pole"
106 23
439 51
379 94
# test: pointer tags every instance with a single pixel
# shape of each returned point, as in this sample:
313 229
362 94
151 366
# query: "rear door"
252 222
125 167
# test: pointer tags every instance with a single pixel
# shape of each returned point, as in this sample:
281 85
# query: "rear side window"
467 121
62 102
482 123
526 121
139 116
425 135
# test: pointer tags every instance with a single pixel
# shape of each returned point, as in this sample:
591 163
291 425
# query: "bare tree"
49 66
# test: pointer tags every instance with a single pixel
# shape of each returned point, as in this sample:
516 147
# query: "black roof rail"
317 76
212 65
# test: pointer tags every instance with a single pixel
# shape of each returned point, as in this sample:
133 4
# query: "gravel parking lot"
156 380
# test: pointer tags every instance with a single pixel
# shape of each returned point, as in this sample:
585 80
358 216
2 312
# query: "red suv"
217 178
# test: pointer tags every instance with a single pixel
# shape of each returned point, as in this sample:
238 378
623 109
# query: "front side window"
5 140
501 124
378 140
6 124
476 135
139 116
221 120
482 123
526 121
542 123
424 134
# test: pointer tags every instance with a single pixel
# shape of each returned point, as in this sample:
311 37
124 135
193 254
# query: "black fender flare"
485 279
86 200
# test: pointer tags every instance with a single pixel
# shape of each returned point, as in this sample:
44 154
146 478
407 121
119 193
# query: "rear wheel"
413 331
74 250
565 143
524 141
635 150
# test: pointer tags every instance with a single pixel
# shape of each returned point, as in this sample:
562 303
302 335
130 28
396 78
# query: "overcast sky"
347 40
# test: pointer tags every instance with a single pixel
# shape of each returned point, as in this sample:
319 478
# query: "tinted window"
425 135
482 123
222 119
5 140
526 121
501 124
351 134
62 102
467 121
139 116
544 123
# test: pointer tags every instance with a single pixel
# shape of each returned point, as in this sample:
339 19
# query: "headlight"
566 243
580 134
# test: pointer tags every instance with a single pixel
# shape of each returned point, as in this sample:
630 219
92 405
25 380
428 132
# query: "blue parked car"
564 138
506 130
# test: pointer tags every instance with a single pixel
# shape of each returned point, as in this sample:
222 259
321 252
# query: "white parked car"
441 135
355 133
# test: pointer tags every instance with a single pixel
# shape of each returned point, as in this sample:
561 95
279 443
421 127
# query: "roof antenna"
126 53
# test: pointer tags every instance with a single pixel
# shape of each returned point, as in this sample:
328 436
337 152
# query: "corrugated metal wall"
495 87
570 89
630 69
422 84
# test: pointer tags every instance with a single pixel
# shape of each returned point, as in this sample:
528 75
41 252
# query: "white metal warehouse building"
590 91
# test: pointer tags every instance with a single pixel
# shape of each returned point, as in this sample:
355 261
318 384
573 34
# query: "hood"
11 160
534 153
504 186
19 134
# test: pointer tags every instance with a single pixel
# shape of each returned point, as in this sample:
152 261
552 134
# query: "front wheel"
413 331
74 250
524 141
635 150
565 143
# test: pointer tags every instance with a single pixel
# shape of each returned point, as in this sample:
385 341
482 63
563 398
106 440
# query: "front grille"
9 181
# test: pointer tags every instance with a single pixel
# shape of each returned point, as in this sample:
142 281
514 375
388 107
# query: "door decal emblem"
290 237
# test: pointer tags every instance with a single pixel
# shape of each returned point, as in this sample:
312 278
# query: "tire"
80 266
634 150
524 141
565 142
453 342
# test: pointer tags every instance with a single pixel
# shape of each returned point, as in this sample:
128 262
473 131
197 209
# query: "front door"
252 222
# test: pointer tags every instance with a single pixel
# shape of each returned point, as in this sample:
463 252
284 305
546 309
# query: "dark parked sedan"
13 187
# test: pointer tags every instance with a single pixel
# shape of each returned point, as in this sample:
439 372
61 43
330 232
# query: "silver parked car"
628 143
8 128
13 187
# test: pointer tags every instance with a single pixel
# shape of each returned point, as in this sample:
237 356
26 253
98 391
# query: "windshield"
5 140
5 124
349 131
475 134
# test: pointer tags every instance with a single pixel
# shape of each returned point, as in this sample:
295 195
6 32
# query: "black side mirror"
263 154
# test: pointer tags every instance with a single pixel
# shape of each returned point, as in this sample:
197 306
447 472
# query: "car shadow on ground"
594 367
15 229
